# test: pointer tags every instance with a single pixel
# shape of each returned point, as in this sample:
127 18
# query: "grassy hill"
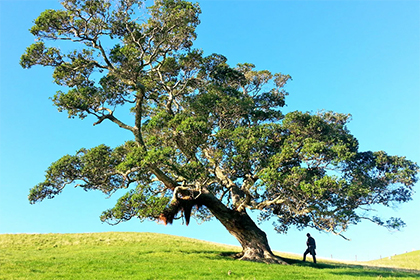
115 255
408 260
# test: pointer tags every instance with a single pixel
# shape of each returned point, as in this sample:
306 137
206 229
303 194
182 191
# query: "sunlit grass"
408 260
153 256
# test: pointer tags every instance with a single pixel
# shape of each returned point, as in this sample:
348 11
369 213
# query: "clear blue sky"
358 57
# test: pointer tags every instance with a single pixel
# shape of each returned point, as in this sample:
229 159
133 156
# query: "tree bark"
253 240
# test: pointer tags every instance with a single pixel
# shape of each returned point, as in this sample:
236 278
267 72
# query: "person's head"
308 235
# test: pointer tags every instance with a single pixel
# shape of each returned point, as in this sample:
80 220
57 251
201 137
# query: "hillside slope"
117 255
409 260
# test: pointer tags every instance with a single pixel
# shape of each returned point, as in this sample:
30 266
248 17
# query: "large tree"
208 140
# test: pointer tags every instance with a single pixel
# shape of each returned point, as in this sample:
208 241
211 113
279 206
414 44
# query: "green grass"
154 256
408 260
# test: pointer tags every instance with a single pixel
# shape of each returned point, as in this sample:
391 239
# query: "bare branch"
267 203
111 117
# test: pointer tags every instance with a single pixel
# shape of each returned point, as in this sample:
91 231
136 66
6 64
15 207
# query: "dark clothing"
311 245
311 248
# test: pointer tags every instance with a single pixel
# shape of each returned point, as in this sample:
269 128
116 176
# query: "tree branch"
111 117
267 203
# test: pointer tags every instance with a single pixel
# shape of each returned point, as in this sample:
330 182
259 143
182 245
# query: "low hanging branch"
183 201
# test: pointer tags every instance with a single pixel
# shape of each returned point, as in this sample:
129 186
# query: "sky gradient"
357 57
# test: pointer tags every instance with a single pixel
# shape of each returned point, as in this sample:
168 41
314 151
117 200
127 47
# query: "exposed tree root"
268 258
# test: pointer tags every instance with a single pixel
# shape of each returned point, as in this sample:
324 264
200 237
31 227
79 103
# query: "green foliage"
92 169
200 124
123 255
177 20
37 53
322 179
139 203
133 157
78 102
50 22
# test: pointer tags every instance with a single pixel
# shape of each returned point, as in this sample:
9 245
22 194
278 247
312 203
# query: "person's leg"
312 251
304 254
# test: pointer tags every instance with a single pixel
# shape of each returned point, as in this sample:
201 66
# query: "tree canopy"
209 140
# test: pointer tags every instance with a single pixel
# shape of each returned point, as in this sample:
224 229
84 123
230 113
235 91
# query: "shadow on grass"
358 270
339 269
210 254
353 270
229 254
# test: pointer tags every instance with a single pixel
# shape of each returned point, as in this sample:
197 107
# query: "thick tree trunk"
252 239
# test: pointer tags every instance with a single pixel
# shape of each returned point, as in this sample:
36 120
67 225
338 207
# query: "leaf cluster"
200 125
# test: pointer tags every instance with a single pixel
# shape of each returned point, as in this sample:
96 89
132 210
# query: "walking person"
310 243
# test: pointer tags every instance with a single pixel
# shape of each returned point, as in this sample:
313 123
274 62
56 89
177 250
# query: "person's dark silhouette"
311 248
